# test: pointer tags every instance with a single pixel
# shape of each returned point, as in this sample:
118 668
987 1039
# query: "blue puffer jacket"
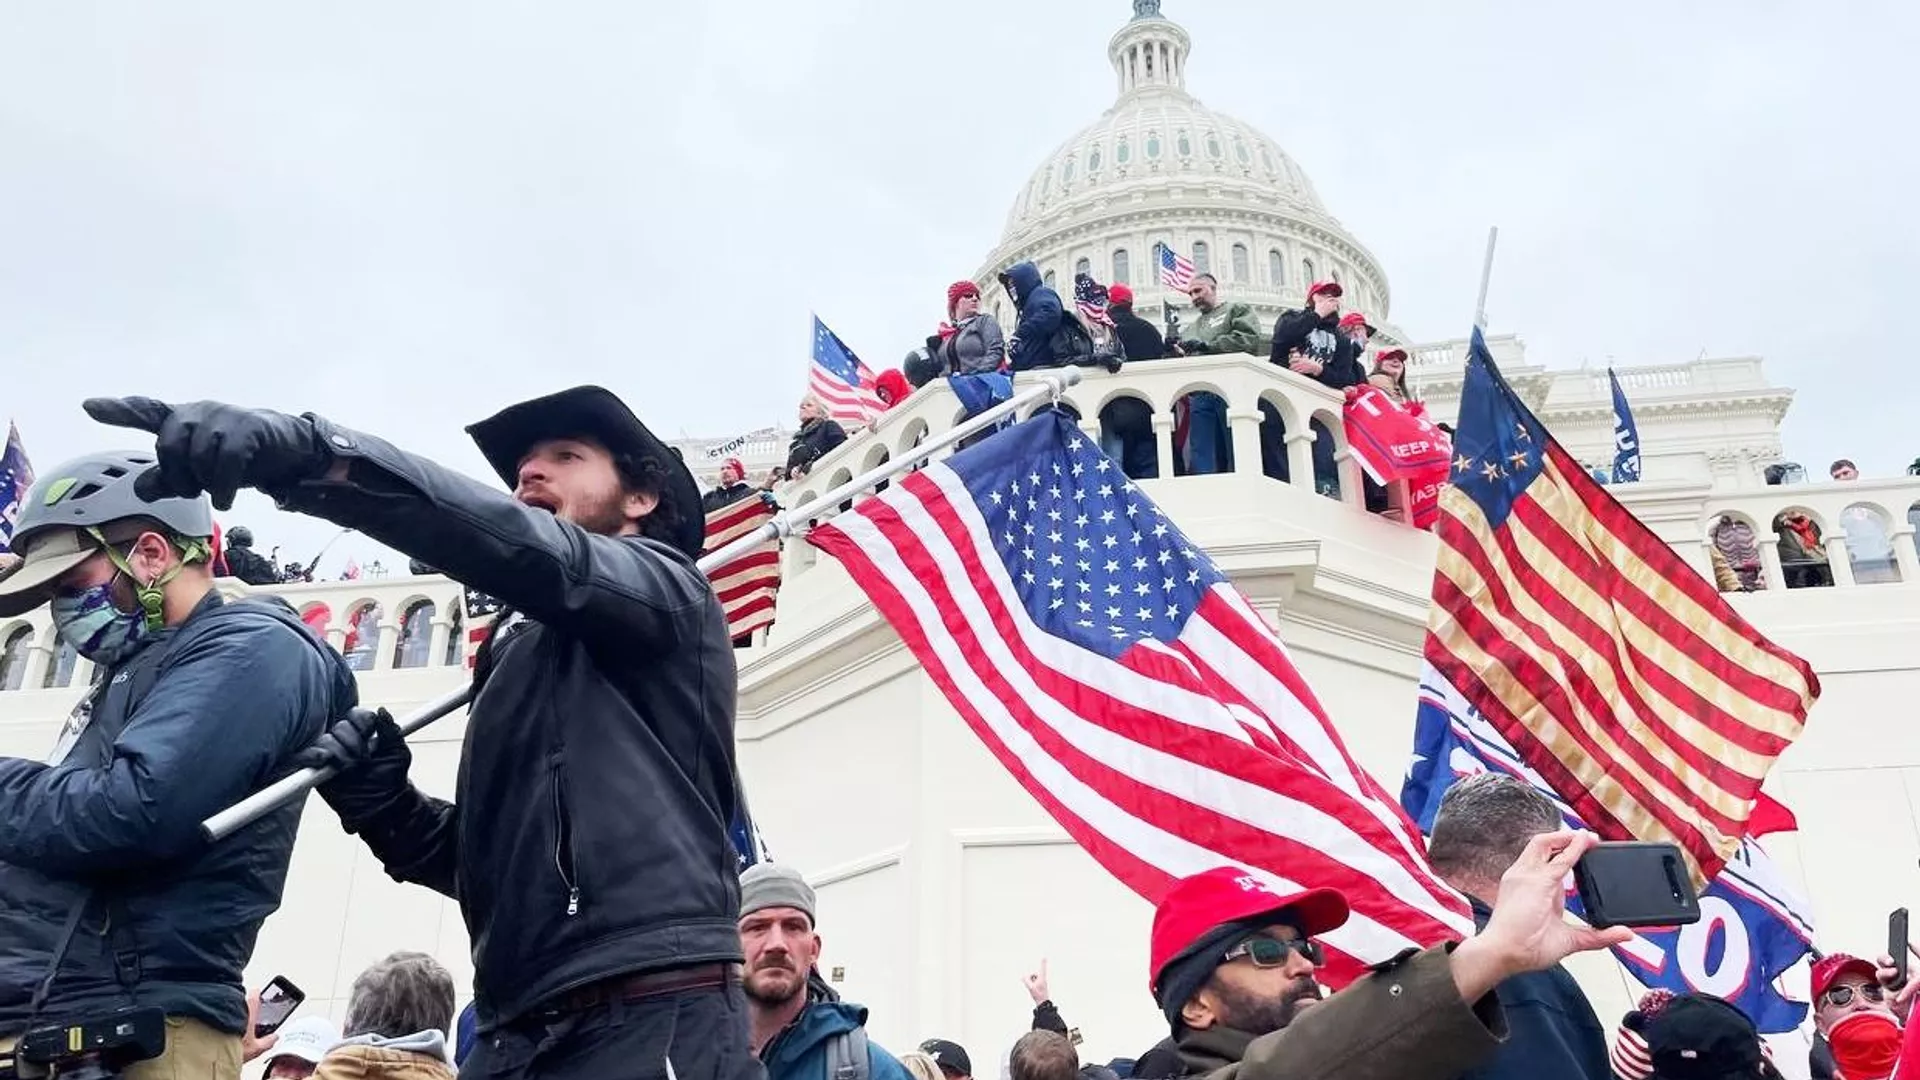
106 845
800 1052
1040 315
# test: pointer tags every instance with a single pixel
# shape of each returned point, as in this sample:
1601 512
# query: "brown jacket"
359 1062
1403 1022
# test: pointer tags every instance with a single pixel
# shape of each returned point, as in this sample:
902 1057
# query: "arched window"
456 637
1182 144
1240 269
13 657
1306 273
60 672
1066 172
1153 146
410 650
1869 545
1123 152
1083 266
1213 146
1048 279
1240 152
1122 271
1093 160
363 636
1276 268
1202 259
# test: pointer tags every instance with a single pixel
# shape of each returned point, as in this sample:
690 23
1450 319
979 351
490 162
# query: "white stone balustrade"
1863 524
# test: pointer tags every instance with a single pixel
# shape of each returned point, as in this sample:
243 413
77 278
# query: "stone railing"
1435 358
1869 530
381 624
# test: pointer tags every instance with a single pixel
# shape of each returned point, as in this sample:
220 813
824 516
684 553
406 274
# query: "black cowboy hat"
591 411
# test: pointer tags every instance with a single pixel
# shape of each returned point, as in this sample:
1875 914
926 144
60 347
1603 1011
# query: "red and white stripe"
1176 270
849 406
747 586
1610 665
1175 758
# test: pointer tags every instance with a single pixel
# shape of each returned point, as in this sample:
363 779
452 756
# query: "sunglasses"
1269 952
1842 996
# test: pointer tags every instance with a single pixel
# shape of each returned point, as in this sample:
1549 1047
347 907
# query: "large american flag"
1612 667
842 383
16 477
746 585
1128 686
1176 270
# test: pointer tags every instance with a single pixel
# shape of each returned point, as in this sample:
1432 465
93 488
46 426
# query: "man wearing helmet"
111 898
588 839
245 563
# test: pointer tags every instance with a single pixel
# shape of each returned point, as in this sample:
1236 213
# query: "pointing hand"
216 448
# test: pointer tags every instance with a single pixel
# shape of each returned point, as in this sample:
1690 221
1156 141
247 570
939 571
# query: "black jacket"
249 566
1321 340
1041 316
811 443
726 496
1551 1027
179 730
1138 336
588 833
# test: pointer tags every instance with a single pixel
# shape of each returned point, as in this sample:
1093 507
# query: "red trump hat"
1833 965
1119 294
1196 907
1331 288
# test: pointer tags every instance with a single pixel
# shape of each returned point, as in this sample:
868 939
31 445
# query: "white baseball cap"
307 1039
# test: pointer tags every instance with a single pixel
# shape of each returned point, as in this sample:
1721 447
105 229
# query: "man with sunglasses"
1855 1015
1234 972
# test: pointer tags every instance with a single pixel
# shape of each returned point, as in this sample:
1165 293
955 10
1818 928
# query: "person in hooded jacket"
398 1015
1040 317
799 1025
109 896
971 343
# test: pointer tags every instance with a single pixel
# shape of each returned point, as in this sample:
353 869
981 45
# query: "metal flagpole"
1486 279
288 788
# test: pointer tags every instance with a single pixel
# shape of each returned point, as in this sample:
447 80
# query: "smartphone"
1897 946
1634 883
277 1002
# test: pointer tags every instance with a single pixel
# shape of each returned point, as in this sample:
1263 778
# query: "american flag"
1091 298
1128 686
841 382
16 477
746 585
1176 271
1612 667
478 611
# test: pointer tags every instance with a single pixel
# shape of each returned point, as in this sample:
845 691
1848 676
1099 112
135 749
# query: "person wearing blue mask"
113 899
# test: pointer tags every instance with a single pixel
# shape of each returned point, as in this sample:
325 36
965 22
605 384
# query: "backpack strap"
847 1056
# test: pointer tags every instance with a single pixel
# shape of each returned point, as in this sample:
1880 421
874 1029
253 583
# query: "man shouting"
587 843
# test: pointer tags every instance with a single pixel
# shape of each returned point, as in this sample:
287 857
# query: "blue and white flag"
16 476
978 393
1752 926
1626 437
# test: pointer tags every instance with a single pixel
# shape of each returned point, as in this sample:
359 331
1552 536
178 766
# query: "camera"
96 1048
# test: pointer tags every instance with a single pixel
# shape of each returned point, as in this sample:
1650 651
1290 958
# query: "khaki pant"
194 1052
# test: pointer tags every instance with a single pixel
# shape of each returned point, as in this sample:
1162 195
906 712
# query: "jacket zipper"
563 846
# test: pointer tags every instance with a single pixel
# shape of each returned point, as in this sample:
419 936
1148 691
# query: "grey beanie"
767 885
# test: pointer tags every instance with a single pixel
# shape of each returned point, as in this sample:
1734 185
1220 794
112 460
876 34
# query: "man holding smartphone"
109 898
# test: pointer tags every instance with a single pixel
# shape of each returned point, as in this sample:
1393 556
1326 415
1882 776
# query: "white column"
1163 442
1770 570
1300 457
1905 555
1836 543
38 657
383 654
442 628
1245 427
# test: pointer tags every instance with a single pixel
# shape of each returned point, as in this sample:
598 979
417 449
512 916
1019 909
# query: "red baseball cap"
1197 906
1330 287
1119 294
1352 318
1833 965
1389 354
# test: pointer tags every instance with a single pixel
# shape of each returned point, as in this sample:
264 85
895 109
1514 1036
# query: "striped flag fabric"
1176 270
1611 666
1124 682
747 585
843 384
476 617
1091 298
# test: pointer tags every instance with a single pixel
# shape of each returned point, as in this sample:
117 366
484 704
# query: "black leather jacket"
107 843
588 836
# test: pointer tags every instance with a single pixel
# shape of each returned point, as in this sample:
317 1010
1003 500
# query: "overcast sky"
404 216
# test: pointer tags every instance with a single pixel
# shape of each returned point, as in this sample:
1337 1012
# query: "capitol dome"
1160 167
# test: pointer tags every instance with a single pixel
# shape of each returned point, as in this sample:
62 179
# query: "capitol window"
1066 172
13 657
1240 269
1122 152
1240 152
1276 268
1153 146
1213 146
1183 145
1266 158
1083 266
1306 273
1093 160
60 672
416 636
1122 272
1202 259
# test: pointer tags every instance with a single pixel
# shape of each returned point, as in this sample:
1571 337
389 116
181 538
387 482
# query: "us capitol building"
941 881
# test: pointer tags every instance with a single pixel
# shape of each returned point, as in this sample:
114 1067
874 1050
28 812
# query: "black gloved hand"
1194 347
373 761
216 448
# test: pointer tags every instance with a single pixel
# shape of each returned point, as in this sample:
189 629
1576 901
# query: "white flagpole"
1052 384
1486 279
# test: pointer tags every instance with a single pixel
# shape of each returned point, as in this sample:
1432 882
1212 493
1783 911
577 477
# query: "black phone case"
1634 883
1897 946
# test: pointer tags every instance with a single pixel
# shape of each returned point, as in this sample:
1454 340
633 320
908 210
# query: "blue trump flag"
1626 437
16 477
1752 927
978 393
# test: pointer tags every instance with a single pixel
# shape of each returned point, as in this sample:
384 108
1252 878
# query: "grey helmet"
93 493
240 536
98 489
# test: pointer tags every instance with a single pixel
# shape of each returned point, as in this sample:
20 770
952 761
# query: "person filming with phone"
109 897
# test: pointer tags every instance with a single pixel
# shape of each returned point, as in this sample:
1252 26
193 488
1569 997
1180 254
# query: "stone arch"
912 435
1868 529
1127 435
16 652
1913 519
1743 552
1802 562
412 644
362 642
1328 425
